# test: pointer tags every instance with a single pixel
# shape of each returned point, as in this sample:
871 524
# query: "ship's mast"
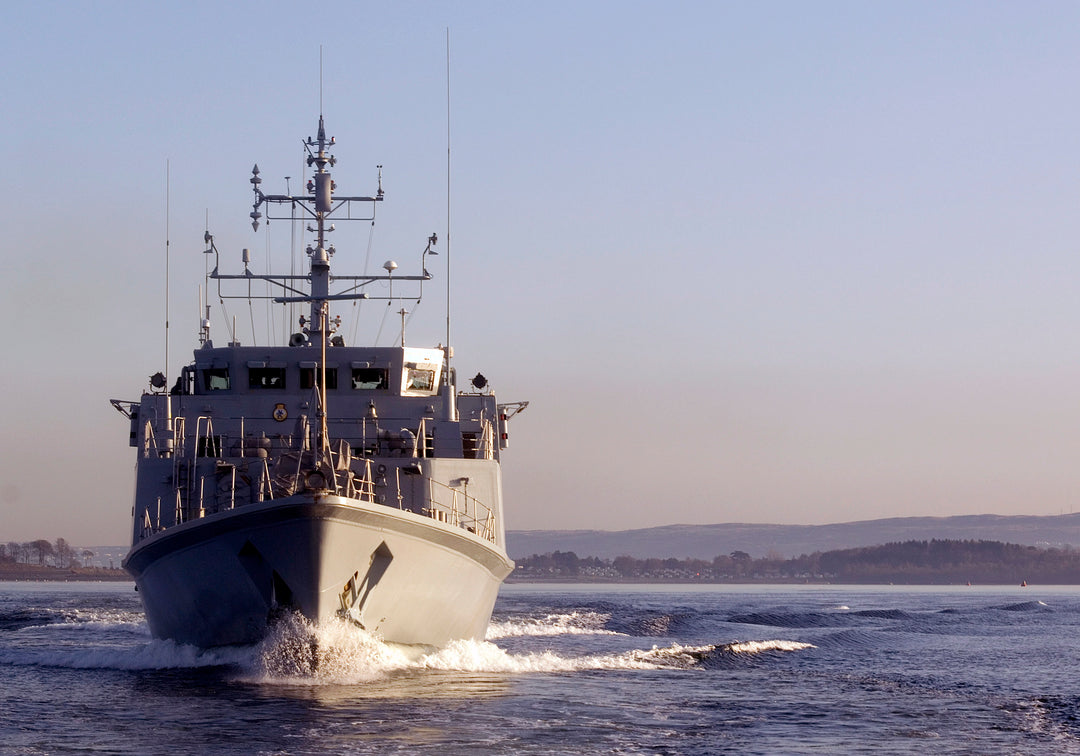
323 187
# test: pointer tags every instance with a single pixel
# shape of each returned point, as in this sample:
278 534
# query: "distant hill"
937 562
708 541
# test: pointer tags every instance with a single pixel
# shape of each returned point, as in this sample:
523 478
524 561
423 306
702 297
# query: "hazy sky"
774 262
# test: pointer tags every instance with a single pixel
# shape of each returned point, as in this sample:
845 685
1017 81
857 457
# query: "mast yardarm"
320 204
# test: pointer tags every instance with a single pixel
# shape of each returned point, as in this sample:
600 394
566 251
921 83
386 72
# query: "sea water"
564 670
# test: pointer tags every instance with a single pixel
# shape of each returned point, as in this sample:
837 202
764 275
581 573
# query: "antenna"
320 80
168 395
451 410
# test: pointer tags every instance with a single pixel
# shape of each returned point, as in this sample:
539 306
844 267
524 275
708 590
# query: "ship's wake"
102 639
567 623
341 653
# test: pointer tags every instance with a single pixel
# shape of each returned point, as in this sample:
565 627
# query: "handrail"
367 483
209 425
449 504
487 443
149 442
269 480
178 432
460 517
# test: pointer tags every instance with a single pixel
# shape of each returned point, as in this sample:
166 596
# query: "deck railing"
480 520
276 468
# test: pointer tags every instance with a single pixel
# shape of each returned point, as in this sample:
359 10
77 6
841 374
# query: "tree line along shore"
51 560
934 562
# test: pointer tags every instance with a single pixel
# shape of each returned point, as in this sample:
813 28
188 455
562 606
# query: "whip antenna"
168 395
447 246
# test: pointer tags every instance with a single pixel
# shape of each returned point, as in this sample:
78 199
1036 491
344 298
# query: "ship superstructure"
318 477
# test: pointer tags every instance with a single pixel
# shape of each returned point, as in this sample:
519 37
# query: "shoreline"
45 574
118 576
847 580
40 574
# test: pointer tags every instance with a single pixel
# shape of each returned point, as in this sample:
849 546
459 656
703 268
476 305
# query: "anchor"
358 589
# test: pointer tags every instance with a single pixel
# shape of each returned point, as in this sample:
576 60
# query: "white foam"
574 623
484 656
758 647
674 656
338 652
335 651
78 619
134 624
156 654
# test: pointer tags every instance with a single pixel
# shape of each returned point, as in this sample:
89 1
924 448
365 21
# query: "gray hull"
411 579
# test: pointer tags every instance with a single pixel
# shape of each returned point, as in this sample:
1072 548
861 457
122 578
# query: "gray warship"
316 477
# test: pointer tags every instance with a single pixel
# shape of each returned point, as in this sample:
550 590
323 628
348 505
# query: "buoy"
1023 584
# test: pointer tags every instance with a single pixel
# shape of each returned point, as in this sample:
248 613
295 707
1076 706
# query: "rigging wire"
271 329
291 316
357 302
251 315
383 322
228 321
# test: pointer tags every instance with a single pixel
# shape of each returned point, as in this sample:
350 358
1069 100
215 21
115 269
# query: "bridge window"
266 377
369 378
420 380
216 379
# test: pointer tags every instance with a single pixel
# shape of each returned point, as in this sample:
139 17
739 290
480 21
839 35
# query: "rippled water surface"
566 670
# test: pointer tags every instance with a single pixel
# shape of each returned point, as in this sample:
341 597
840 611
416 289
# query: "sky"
776 262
